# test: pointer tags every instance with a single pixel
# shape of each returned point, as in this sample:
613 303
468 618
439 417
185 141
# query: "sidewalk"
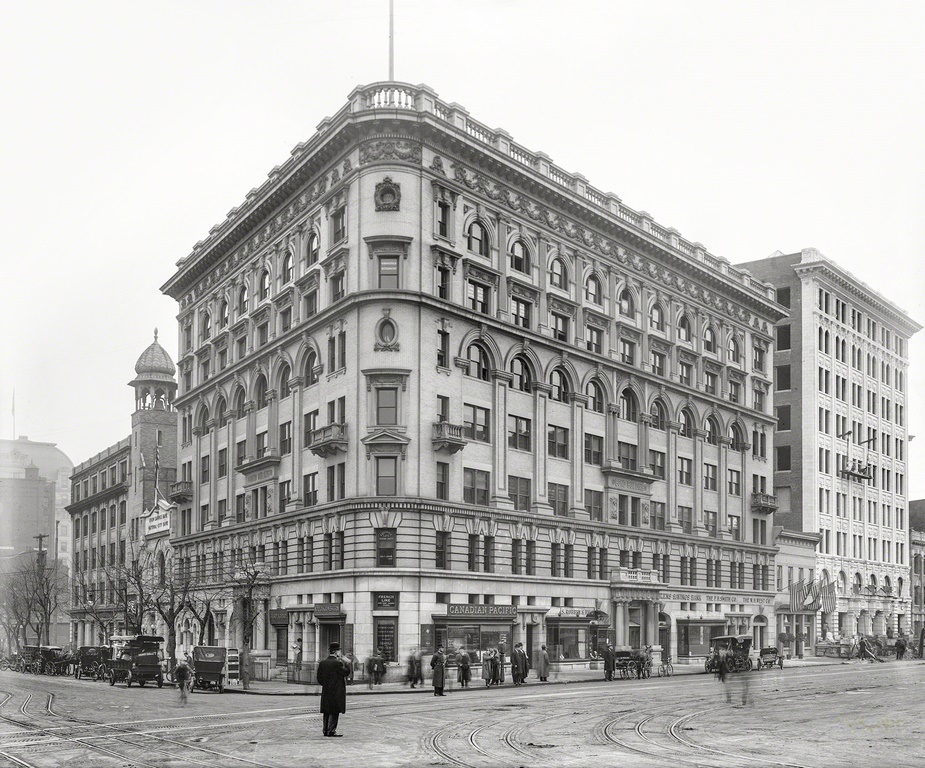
398 686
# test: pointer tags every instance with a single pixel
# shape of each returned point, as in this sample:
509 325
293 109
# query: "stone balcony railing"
764 502
634 576
449 437
395 97
329 440
181 491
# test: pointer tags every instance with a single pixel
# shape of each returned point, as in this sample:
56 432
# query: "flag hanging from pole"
798 593
811 599
827 598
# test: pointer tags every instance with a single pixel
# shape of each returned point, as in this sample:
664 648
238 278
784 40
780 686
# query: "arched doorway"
760 632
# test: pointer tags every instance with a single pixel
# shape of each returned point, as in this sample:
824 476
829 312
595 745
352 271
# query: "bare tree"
250 585
33 591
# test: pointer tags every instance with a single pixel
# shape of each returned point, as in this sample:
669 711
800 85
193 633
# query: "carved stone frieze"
388 149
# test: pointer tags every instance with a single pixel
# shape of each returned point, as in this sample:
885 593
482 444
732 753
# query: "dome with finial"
155 363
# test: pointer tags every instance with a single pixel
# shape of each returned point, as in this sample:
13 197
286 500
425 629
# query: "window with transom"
479 366
558 277
593 289
520 258
522 377
477 239
560 386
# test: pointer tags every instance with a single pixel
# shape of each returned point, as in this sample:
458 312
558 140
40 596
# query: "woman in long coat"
463 673
542 664
438 665
486 667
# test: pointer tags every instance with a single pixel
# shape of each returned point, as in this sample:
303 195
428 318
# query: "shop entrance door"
282 646
330 633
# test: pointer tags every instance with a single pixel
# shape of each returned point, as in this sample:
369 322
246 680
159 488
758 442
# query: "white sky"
130 128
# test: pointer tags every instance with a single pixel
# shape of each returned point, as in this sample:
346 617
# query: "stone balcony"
181 491
329 441
620 575
448 437
764 503
268 458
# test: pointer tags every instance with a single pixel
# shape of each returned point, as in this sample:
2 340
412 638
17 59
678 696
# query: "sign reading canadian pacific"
475 609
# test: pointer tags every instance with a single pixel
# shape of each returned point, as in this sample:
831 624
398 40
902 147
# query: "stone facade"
441 390
841 456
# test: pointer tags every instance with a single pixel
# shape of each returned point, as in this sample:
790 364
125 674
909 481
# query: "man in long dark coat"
332 677
610 658
438 664
519 664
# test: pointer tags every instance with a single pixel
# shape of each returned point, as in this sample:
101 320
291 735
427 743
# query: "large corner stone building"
449 393
841 453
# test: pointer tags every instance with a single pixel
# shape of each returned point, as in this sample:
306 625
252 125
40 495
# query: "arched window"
204 420
260 392
684 329
593 289
712 429
657 317
239 400
558 276
687 423
285 373
311 252
887 585
858 584
737 437
221 410
733 351
264 285
625 300
477 240
595 394
205 326
479 366
287 269
657 417
842 583
560 386
311 363
709 340
520 258
242 301
522 375
899 586
223 315
629 409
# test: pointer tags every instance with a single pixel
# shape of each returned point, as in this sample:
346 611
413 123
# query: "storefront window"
475 638
568 642
694 639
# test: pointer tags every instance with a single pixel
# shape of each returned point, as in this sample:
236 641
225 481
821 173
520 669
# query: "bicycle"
665 669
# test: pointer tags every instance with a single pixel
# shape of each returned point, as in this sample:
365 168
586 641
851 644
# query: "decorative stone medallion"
388 195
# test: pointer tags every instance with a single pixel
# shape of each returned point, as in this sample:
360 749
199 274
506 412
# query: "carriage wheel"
748 665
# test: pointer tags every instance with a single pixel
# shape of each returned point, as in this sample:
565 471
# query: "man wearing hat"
332 677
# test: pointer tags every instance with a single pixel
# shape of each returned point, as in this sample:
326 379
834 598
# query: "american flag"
798 593
827 597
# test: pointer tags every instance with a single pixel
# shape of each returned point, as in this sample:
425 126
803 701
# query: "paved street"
839 715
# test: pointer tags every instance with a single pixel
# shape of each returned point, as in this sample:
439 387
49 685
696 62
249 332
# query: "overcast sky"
129 129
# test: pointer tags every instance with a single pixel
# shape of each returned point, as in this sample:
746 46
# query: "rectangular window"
735 392
685 470
443 480
782 458
558 323
686 374
735 482
594 505
709 382
385 547
443 349
657 464
222 462
657 363
686 519
594 338
261 444
626 453
521 310
311 304
558 498
443 218
569 561
657 515
735 529
387 406
557 440
204 463
758 358
477 423
388 273
516 556
473 559
531 559
709 476
476 486
627 352
386 476
443 550
520 433
285 438
443 282
310 424
709 521
594 449
338 225
555 559
781 377
478 297
519 491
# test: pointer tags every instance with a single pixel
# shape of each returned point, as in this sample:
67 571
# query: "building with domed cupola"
113 494
443 391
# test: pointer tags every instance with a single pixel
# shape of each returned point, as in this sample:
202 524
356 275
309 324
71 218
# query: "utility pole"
41 553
